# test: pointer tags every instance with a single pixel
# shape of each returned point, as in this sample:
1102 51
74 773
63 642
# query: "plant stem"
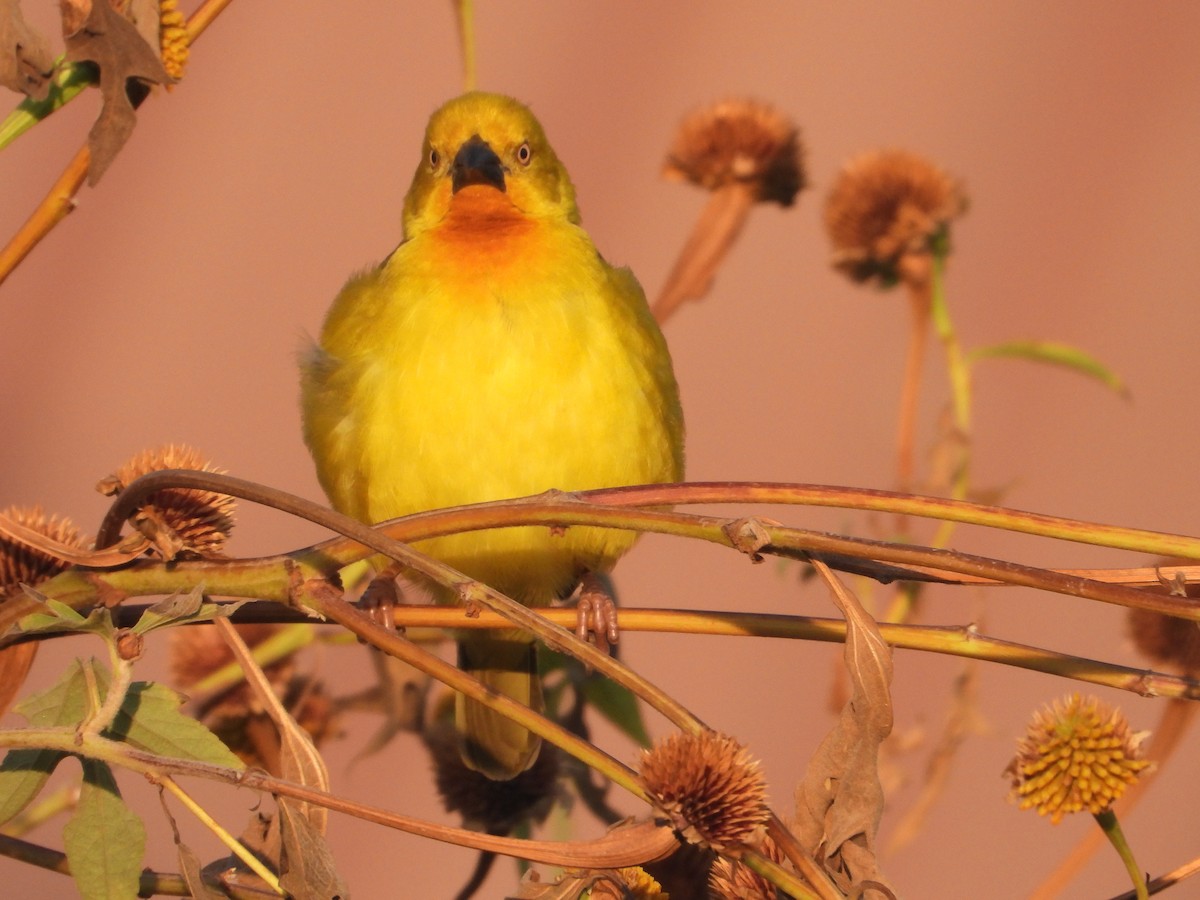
1108 823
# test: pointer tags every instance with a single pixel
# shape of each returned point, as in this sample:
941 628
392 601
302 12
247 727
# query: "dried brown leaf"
113 44
26 62
840 801
308 869
299 758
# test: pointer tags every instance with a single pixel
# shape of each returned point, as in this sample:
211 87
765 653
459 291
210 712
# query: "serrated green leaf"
23 774
617 704
58 616
189 607
1054 353
150 720
66 702
104 840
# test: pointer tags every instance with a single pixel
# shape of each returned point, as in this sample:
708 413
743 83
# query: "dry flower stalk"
709 787
1078 754
234 715
888 211
179 522
743 152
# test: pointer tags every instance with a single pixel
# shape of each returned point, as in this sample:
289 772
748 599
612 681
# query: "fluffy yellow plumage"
494 354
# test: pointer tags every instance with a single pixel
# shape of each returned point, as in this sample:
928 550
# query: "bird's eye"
524 154
434 158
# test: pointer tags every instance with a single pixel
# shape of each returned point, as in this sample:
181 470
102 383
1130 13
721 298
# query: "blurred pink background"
170 305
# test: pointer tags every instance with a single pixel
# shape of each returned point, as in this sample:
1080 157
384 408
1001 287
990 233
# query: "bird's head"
487 142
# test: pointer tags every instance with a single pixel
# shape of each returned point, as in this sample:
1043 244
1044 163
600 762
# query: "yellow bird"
493 354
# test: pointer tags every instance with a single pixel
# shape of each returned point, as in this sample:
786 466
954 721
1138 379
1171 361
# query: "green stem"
69 81
1108 823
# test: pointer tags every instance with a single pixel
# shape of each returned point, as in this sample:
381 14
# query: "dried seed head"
23 565
234 715
633 883
1077 754
494 806
886 204
739 141
179 521
731 879
1166 640
709 787
173 38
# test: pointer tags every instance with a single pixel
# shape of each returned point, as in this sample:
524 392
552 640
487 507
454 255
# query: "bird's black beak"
476 163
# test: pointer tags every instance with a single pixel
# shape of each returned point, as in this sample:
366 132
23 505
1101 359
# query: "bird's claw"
380 599
597 616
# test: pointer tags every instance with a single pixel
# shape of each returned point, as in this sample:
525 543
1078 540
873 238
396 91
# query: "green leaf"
67 701
104 840
23 774
150 720
58 616
1056 354
189 607
149 717
617 704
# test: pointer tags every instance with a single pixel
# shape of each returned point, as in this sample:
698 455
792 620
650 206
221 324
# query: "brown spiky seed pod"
709 787
179 521
885 204
1077 754
493 806
731 879
20 564
739 141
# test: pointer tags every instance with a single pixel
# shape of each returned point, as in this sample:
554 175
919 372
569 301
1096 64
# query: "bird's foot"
380 599
597 613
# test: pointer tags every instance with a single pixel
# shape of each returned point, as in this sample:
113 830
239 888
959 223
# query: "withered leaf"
299 758
308 870
26 62
840 801
113 44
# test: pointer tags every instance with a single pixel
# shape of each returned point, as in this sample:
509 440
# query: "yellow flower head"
1077 754
173 38
635 884
709 787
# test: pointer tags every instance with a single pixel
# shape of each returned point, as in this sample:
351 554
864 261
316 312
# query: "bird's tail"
492 744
